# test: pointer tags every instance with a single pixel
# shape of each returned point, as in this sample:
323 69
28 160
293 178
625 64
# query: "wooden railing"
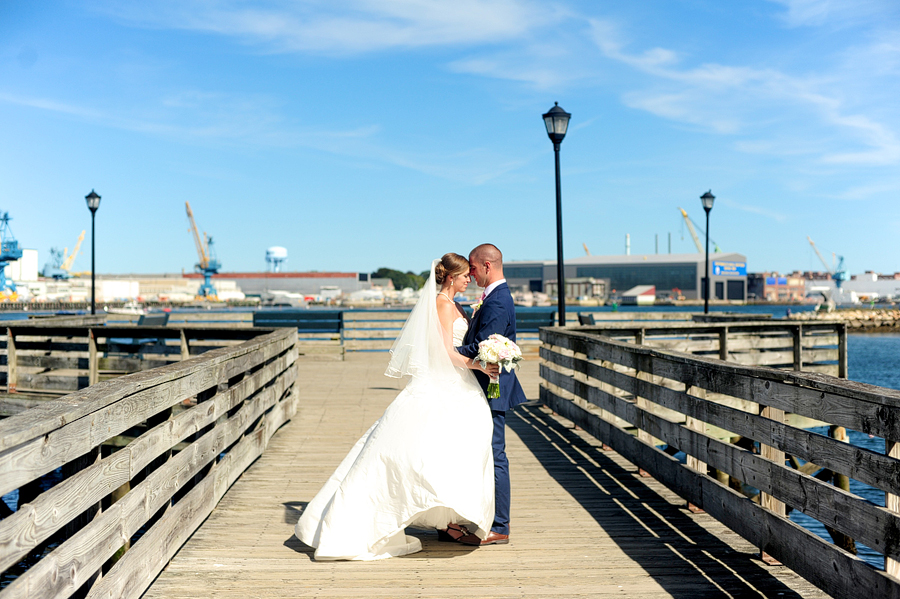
810 347
51 357
649 403
97 516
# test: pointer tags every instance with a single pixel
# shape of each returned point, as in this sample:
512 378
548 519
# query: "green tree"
401 280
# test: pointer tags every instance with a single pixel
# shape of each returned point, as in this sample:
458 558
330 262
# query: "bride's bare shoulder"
445 306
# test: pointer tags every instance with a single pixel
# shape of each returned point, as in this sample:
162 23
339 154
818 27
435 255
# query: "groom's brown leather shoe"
495 538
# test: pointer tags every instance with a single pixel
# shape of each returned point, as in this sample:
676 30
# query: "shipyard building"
672 275
307 283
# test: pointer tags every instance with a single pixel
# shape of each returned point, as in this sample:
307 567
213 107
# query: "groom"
494 314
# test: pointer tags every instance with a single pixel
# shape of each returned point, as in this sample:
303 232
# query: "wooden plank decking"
584 523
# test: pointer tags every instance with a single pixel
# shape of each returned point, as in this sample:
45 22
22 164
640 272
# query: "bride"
427 462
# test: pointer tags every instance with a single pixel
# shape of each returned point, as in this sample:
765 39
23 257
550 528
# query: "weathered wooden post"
606 415
11 371
694 463
771 453
642 374
723 343
842 349
93 360
798 346
841 481
892 503
185 349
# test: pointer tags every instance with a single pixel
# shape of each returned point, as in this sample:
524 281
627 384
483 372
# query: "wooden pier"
584 523
185 480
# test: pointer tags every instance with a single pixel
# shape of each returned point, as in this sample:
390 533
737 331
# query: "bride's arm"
447 314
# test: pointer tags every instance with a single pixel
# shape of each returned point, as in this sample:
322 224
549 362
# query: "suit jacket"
496 315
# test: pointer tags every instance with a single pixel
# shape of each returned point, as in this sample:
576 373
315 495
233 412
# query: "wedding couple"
437 457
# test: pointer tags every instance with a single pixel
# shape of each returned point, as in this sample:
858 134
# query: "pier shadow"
432 548
292 511
682 556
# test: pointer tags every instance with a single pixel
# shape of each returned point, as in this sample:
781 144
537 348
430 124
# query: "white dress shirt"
492 286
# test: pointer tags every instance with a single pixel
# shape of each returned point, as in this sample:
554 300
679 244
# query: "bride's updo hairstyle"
451 265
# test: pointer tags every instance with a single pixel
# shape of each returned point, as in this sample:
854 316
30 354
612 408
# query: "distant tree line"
402 280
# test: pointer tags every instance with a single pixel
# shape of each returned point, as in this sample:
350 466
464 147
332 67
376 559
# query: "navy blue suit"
497 315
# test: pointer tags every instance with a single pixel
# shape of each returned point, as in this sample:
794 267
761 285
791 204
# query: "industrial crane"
693 232
838 274
70 259
208 264
9 251
60 265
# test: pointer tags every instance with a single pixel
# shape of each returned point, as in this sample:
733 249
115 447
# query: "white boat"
127 308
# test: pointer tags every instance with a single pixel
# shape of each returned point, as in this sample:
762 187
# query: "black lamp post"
93 202
557 121
707 198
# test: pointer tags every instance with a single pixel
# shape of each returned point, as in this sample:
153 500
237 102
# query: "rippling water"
873 359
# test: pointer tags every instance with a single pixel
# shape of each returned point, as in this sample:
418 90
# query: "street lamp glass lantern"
557 121
93 201
708 199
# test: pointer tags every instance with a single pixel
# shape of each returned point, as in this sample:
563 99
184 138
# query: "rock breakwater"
875 320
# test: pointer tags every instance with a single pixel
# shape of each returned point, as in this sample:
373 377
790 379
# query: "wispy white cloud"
474 167
526 41
86 114
681 107
513 68
541 65
347 27
835 13
223 119
866 192
739 99
770 214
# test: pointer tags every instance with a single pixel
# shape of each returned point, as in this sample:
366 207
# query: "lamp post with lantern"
93 202
707 198
557 122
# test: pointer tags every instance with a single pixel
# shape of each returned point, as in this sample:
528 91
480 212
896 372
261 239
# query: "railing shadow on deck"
639 399
681 556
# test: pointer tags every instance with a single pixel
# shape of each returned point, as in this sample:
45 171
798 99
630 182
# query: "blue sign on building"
721 268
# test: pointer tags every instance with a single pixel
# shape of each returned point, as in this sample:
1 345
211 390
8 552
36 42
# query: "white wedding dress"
425 463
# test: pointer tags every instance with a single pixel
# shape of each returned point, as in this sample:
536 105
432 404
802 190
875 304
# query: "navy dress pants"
501 474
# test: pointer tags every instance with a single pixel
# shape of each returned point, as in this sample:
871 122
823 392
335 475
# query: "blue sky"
369 133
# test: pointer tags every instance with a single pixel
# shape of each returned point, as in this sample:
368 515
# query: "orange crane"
208 264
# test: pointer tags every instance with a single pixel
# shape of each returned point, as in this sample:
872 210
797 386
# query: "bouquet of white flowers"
497 349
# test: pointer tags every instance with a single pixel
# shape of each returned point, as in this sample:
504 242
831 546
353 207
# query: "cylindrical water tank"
275 255
276 252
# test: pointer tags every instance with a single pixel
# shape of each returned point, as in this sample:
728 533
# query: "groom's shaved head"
486 264
487 252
